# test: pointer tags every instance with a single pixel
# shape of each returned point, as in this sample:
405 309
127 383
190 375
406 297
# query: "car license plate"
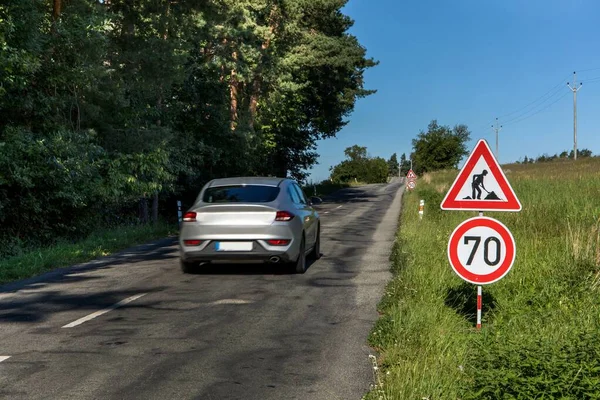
233 246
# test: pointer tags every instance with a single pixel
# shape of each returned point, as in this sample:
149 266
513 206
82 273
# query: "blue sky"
470 61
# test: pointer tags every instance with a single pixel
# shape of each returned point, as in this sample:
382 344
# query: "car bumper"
261 252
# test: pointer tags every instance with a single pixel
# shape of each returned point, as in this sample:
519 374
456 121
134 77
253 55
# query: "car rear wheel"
187 267
315 254
300 264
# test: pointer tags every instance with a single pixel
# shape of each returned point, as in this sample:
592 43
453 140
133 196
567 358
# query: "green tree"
404 165
584 153
393 165
140 100
315 70
377 170
359 167
440 147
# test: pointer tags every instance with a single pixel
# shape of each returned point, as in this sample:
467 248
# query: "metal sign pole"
179 213
479 307
479 296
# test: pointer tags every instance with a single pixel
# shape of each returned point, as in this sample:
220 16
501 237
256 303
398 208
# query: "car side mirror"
315 200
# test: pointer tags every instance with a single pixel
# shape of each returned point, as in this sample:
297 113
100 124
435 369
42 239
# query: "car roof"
247 180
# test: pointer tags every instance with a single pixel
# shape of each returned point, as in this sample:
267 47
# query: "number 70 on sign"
481 250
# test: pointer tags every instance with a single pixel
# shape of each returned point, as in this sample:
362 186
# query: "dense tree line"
109 107
565 155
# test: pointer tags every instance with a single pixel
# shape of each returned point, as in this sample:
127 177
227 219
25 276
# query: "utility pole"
574 89
497 129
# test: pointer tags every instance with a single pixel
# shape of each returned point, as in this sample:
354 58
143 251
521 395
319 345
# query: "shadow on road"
248 269
161 250
39 307
358 194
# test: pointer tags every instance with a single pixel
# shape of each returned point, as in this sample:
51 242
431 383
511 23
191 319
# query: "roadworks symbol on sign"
481 185
411 176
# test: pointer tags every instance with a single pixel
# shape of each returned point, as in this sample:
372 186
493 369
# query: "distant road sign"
411 185
481 185
411 176
481 250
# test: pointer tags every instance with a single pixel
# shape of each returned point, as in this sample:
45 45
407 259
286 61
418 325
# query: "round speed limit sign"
481 250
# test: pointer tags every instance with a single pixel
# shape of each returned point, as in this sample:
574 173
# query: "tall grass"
539 323
63 254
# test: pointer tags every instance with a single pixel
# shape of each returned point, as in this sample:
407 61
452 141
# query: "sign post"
481 250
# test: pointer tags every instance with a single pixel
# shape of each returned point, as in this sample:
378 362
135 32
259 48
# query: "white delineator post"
421 208
179 213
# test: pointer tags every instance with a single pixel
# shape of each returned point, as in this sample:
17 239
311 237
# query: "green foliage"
404 165
440 147
63 254
49 184
358 167
524 369
393 166
112 103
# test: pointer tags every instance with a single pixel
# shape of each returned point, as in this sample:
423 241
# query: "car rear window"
241 194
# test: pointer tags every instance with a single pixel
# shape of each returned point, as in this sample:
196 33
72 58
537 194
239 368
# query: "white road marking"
338 207
326 212
101 312
4 358
231 301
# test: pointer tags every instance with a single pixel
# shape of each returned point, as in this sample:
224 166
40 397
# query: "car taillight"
283 216
278 242
189 216
192 242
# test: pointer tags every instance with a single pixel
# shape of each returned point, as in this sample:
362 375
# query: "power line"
590 82
536 100
596 78
590 69
548 96
555 92
484 126
539 111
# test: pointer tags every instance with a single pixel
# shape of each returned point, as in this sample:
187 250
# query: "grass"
540 323
101 243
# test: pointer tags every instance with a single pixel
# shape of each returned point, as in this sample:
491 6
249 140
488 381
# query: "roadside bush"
47 185
517 369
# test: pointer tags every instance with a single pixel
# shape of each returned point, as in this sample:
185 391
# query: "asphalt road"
245 332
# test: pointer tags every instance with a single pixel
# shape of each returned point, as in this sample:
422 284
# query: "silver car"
250 219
